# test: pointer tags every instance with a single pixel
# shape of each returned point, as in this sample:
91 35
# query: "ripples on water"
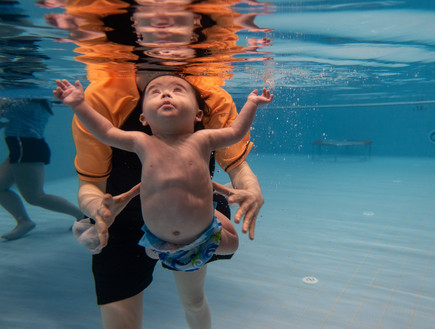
124 36
309 52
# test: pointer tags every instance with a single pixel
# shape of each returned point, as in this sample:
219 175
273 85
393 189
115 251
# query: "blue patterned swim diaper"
189 257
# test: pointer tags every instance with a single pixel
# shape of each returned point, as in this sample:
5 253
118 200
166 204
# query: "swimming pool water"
363 229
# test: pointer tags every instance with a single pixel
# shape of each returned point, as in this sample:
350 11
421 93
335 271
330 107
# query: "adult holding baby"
122 270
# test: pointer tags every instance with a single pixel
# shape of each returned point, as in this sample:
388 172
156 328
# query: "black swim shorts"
28 149
121 271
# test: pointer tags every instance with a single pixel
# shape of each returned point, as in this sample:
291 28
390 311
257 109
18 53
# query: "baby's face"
169 97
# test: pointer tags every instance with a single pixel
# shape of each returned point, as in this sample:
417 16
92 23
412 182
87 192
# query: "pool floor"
346 244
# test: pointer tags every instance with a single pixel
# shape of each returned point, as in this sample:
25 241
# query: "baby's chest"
175 159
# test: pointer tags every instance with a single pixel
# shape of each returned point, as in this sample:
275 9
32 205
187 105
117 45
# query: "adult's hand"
103 207
247 194
110 207
249 203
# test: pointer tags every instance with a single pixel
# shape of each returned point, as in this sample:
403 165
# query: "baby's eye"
155 91
178 89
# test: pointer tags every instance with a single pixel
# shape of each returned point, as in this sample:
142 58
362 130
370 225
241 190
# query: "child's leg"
151 254
230 239
13 204
29 178
190 286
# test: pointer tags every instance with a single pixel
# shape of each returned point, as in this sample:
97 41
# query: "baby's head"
176 92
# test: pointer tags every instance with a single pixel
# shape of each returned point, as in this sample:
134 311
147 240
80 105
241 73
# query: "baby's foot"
19 230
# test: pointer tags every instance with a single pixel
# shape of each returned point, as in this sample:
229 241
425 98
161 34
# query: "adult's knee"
123 314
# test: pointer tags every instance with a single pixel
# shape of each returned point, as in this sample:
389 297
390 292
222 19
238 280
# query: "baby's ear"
199 115
142 119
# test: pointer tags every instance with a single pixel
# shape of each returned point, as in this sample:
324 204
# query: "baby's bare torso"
176 189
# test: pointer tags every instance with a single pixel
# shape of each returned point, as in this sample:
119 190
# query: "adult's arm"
101 206
246 193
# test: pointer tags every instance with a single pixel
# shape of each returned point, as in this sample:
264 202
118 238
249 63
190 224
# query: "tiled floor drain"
310 280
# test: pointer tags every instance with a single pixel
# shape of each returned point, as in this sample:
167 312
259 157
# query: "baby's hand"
265 98
70 95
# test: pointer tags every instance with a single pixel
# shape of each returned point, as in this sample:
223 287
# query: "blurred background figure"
24 121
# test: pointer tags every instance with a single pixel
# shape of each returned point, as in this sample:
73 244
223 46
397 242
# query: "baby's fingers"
63 84
267 94
57 92
60 93
78 85
66 83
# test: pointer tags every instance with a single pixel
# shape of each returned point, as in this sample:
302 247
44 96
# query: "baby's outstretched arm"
246 116
73 97
240 127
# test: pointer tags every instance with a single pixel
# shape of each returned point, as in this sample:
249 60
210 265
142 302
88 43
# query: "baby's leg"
230 239
190 286
151 254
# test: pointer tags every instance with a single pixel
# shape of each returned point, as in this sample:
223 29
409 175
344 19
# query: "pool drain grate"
310 280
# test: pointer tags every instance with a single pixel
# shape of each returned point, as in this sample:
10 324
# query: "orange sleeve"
113 95
93 159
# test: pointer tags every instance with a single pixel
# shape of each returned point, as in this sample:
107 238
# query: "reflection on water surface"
316 52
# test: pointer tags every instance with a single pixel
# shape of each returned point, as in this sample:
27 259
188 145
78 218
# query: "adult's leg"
122 272
13 204
190 286
123 314
29 178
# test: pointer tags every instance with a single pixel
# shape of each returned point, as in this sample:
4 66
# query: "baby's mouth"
167 106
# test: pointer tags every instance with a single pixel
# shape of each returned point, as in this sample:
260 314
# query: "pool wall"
396 131
399 130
